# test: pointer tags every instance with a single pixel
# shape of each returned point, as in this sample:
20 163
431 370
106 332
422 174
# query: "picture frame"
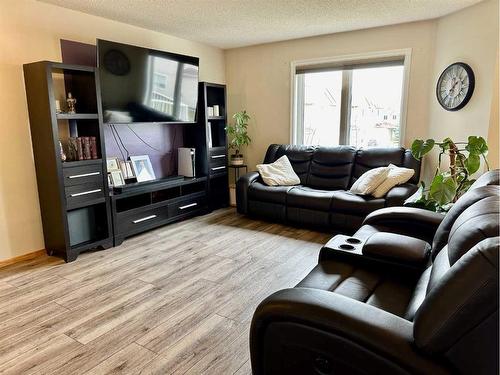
117 178
142 168
112 164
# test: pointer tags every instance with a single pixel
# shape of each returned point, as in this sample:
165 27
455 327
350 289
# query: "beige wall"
258 77
30 31
470 36
493 132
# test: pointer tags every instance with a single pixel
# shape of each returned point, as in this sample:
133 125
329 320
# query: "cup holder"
353 241
345 246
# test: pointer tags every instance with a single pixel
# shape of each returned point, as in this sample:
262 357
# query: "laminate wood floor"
177 300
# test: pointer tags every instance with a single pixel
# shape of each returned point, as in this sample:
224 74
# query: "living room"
262 211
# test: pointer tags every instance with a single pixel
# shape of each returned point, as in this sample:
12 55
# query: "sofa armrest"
363 331
410 221
242 186
398 194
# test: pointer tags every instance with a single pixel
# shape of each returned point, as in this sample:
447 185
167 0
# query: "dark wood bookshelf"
73 195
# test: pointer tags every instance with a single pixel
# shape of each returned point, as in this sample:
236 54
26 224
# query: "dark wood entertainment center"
79 210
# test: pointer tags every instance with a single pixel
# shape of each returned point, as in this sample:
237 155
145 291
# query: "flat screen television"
141 85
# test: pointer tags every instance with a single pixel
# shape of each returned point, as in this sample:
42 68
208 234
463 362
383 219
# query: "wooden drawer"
219 160
220 169
130 223
187 205
216 151
82 194
83 174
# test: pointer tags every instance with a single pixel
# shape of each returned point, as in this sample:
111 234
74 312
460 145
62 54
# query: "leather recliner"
363 315
326 173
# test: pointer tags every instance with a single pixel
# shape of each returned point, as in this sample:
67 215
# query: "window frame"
339 61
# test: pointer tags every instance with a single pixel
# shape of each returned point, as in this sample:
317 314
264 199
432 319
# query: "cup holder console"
346 244
353 241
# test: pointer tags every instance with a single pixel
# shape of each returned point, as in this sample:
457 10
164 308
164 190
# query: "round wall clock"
455 86
116 62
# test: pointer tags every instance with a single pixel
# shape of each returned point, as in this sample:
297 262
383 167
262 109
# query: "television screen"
144 85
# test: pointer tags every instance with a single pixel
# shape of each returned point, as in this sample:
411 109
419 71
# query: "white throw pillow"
396 176
279 173
369 181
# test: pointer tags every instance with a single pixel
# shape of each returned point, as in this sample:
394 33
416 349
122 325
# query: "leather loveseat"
326 173
363 314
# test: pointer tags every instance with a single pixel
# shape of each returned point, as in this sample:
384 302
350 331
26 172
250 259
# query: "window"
358 104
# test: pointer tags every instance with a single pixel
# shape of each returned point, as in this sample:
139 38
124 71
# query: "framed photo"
112 164
117 178
142 167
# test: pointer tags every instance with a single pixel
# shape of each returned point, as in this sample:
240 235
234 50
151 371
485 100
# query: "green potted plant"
448 185
238 136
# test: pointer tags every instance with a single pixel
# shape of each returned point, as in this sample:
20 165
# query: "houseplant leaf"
476 145
472 163
443 189
419 147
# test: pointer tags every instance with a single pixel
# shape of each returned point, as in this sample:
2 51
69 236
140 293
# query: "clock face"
455 86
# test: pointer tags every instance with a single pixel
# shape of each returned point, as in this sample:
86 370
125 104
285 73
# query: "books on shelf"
81 148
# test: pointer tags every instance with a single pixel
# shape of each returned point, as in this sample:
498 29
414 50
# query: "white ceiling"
237 23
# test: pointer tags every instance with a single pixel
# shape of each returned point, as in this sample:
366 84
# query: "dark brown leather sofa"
326 173
359 314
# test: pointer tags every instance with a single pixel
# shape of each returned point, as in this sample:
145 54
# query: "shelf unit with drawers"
209 139
74 197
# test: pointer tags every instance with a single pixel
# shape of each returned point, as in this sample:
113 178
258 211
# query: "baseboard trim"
20 258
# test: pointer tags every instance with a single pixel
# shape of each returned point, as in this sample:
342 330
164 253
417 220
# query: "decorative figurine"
71 103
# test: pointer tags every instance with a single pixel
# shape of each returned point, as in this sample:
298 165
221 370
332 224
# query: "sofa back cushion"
465 201
336 168
370 158
331 168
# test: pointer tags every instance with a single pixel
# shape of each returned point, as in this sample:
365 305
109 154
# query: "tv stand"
153 183
151 204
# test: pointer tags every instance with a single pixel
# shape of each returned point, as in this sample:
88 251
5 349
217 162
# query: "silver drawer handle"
218 156
85 193
144 219
84 175
187 206
217 168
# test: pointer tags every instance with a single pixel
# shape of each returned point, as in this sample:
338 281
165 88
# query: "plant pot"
237 159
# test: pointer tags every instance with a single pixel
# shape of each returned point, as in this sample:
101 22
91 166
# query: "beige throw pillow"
369 181
279 173
396 176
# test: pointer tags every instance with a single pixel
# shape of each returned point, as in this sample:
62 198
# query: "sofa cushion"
313 199
370 158
344 201
261 192
331 168
279 173
369 181
300 158
389 294
397 176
